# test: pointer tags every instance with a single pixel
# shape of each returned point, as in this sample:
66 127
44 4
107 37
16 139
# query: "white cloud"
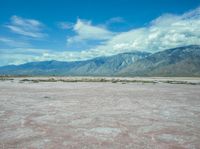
27 27
22 55
13 43
194 14
86 31
167 31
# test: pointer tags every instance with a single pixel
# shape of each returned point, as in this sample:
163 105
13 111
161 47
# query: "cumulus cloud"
167 31
86 31
26 27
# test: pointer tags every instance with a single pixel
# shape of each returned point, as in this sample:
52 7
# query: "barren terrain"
59 113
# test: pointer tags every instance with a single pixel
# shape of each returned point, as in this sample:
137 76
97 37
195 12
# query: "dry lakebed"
99 113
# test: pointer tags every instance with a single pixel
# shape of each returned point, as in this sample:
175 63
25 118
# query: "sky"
71 30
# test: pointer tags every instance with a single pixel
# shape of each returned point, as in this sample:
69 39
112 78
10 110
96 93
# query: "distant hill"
101 66
181 61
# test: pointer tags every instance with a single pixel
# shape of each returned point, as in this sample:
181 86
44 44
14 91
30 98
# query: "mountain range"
180 61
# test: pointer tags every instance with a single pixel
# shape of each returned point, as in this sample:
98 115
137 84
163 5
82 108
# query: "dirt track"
56 115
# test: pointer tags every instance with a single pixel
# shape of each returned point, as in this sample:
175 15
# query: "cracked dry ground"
58 115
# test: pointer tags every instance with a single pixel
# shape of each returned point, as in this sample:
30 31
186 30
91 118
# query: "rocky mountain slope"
181 61
101 66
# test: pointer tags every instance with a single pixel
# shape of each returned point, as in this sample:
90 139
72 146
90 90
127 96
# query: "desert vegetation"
169 80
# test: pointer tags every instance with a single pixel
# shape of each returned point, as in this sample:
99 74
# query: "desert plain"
99 113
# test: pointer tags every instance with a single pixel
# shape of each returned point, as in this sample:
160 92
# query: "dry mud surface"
94 115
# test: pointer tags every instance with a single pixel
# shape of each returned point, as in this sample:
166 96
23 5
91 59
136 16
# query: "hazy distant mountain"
182 61
101 66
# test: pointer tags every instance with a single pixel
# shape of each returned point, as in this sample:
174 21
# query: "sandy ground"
93 115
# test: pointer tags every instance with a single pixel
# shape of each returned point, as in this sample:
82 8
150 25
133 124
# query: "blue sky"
69 30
